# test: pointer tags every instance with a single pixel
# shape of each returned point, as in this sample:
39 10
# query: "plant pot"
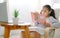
15 20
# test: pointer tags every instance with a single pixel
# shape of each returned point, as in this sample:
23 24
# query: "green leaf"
16 13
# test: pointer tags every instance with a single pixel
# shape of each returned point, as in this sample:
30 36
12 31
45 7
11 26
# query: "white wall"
24 6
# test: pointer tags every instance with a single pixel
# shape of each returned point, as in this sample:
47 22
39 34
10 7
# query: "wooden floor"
32 33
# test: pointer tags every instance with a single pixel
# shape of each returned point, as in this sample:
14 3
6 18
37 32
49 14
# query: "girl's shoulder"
51 17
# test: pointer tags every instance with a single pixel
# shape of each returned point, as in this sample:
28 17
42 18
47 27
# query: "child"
46 19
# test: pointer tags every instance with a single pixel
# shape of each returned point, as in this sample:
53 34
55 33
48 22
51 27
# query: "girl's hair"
50 9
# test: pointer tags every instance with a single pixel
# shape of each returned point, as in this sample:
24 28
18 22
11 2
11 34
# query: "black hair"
52 11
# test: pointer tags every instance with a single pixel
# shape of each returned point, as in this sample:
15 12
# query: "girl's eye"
44 11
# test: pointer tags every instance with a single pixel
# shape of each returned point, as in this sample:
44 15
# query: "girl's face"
45 11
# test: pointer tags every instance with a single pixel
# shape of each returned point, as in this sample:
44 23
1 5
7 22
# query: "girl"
46 19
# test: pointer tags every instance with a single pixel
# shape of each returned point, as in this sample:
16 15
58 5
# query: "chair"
54 32
57 33
49 32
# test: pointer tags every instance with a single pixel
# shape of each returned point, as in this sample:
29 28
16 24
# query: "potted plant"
15 19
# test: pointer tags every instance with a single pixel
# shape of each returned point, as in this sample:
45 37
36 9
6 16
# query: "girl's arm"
47 24
51 22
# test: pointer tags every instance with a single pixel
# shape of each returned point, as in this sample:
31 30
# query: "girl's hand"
42 21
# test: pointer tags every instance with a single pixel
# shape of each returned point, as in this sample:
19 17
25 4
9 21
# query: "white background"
25 8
